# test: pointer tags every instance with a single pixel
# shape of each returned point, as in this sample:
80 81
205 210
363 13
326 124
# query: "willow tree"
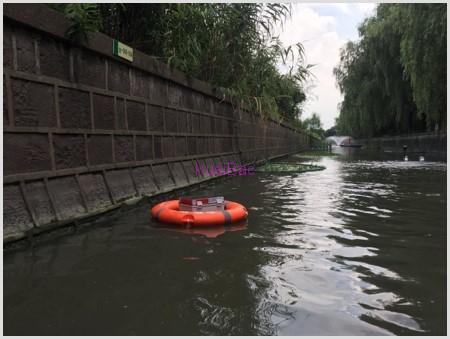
381 92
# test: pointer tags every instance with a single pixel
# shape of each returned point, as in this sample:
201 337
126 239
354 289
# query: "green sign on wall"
122 50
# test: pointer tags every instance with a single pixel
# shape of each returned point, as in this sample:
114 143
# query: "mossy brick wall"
85 131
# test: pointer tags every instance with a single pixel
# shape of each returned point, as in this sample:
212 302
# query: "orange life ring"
169 212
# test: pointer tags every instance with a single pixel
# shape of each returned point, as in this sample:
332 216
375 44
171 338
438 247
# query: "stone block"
178 173
16 219
7 46
195 120
34 104
89 68
121 116
67 197
26 59
136 116
103 112
5 104
124 149
121 184
182 121
70 151
40 203
192 145
174 94
97 196
155 118
158 147
139 83
189 169
144 180
74 108
25 153
180 146
168 147
118 77
171 120
100 149
162 176
144 148
54 58
157 89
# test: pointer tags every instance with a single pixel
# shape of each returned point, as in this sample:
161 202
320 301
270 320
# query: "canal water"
356 249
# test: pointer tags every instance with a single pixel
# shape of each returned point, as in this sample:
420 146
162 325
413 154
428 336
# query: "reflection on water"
358 248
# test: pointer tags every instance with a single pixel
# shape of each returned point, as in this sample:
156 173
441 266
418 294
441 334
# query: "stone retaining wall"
85 131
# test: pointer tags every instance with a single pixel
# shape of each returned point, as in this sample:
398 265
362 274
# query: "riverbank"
433 143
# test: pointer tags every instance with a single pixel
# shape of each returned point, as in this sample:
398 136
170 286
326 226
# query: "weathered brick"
118 77
67 197
155 118
69 151
89 68
16 219
74 108
103 112
144 148
136 116
33 103
26 153
99 149
54 58
123 146
40 202
95 190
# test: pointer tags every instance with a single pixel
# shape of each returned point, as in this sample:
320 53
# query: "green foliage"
230 45
385 90
84 17
314 125
288 168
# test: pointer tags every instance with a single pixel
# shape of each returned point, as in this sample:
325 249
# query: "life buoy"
168 212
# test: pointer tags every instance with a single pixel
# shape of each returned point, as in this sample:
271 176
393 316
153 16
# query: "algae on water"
288 168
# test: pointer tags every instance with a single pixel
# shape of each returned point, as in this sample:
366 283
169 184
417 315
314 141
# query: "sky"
324 28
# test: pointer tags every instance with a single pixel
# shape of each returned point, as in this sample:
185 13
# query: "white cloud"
322 36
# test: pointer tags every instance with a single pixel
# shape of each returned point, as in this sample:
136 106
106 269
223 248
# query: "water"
356 249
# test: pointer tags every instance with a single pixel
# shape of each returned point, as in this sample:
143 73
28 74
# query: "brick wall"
85 131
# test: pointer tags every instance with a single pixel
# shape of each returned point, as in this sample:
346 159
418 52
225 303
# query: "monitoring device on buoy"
203 204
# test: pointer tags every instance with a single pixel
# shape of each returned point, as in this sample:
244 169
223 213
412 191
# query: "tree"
384 92
314 125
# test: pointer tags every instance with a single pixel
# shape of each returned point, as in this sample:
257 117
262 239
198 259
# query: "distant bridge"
337 140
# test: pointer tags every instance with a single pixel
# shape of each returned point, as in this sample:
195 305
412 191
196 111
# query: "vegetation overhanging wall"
85 131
